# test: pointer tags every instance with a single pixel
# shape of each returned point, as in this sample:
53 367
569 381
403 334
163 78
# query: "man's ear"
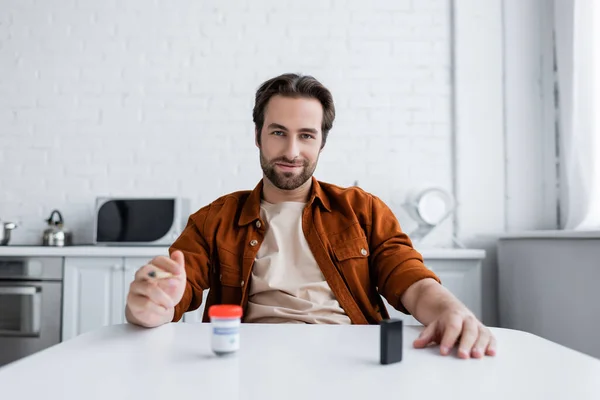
256 133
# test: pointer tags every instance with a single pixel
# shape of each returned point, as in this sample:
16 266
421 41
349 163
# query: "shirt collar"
251 208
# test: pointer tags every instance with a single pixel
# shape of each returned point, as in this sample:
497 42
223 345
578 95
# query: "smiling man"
297 250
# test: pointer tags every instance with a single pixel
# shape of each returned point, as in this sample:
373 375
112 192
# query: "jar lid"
225 311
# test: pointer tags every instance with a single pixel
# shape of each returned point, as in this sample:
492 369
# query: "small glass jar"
225 320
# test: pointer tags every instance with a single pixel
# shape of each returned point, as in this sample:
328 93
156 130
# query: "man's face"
290 140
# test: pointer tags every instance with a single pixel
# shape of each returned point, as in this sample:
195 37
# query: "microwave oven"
139 221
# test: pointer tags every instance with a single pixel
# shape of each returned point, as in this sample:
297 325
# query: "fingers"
470 334
141 311
145 272
474 339
168 264
151 299
177 256
450 335
482 342
427 336
141 305
491 348
152 292
157 267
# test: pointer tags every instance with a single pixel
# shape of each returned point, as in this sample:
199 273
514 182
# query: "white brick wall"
155 98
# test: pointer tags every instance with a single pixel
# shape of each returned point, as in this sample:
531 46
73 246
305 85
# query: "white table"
293 362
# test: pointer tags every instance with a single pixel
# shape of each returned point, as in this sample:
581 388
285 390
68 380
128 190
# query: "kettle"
56 235
5 228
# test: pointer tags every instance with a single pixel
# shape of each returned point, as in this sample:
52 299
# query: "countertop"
83 251
293 361
551 234
151 251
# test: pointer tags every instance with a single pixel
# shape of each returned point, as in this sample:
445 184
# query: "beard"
286 180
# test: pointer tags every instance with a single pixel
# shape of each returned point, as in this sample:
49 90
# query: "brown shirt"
354 237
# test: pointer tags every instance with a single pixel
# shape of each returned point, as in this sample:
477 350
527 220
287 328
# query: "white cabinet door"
93 294
462 277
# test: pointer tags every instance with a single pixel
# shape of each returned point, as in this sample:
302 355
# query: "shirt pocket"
230 268
352 258
230 277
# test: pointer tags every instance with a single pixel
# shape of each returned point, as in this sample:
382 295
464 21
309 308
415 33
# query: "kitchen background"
154 98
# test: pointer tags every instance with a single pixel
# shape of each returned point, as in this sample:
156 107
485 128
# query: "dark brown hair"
293 85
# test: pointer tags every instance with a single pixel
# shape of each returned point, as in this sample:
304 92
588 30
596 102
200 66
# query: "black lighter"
391 341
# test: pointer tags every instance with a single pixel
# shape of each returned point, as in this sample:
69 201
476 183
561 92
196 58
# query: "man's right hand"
151 301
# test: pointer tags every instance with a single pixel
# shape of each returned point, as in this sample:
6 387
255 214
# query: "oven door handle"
21 290
31 314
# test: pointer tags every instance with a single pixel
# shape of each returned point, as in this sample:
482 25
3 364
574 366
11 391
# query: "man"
298 250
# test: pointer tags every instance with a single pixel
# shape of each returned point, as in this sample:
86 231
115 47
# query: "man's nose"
292 149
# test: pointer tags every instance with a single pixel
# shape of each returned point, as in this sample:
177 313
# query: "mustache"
285 160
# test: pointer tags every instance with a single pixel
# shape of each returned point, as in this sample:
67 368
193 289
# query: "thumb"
426 336
177 256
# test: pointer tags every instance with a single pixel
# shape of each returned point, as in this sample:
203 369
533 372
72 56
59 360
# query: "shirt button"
242 283
253 242
363 252
258 224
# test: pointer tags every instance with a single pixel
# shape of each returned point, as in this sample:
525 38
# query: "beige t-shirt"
287 285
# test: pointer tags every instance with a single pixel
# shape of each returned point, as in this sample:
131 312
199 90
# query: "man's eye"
278 133
307 136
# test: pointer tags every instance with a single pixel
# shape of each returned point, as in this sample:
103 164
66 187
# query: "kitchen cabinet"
95 292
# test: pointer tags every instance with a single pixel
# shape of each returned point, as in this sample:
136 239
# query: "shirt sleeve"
397 264
194 246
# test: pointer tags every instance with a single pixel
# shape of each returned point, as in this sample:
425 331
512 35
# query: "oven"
30 305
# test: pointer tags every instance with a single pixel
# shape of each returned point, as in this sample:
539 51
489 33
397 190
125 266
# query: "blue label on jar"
225 331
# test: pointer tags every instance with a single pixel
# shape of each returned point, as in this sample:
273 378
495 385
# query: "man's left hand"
459 326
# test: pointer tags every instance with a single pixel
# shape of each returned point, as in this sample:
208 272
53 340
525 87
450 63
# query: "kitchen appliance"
5 228
139 221
30 305
56 234
429 207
